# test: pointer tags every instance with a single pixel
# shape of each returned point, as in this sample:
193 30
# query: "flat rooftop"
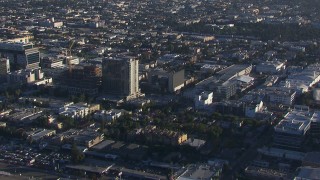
142 175
230 71
90 168
297 127
294 122
103 144
312 157
308 173
203 171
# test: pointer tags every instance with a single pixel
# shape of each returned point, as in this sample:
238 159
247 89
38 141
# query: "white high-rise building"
120 76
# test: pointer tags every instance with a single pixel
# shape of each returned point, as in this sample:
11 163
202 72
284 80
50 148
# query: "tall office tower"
21 55
120 76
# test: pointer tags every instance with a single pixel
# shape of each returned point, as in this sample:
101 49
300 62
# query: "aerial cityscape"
160 89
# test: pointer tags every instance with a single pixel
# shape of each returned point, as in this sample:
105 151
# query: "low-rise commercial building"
199 171
153 134
311 159
87 137
26 76
79 110
265 173
270 67
272 95
304 80
253 109
308 173
109 115
39 134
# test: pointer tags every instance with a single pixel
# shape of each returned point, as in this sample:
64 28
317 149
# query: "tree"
17 92
68 122
42 121
82 98
76 155
214 132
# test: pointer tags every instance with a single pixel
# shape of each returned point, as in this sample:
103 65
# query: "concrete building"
308 173
272 95
223 84
109 115
303 81
195 143
226 82
120 77
281 96
51 23
89 170
226 89
282 153
311 159
25 76
270 67
290 132
71 60
74 111
24 116
166 81
252 109
87 137
79 110
23 39
253 172
234 71
201 171
39 134
231 107
50 62
153 134
203 100
23 55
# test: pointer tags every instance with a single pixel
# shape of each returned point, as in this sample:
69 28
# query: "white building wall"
203 100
